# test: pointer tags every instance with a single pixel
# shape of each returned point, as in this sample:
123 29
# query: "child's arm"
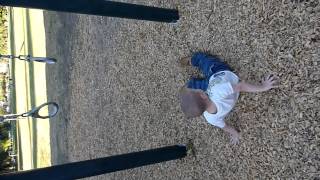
266 84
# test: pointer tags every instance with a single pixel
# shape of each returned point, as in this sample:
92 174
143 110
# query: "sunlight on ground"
30 83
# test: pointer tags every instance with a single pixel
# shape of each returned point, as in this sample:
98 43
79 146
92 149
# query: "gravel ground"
117 82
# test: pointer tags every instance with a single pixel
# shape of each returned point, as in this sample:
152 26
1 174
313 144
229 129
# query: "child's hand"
268 82
234 134
235 138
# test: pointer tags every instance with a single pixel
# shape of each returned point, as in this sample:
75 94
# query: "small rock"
313 169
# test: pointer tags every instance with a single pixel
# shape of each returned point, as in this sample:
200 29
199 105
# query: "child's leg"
198 83
208 64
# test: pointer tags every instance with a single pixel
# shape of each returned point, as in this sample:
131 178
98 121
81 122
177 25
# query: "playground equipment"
99 166
29 58
94 167
100 8
46 110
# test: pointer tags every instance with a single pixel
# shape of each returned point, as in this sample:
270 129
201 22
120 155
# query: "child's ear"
203 95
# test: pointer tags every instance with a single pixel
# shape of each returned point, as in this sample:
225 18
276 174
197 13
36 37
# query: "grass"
32 97
30 133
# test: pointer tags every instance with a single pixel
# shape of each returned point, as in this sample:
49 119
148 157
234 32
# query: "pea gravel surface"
117 82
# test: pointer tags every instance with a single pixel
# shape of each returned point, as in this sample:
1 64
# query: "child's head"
193 102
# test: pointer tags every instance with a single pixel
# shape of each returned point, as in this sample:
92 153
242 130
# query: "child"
215 95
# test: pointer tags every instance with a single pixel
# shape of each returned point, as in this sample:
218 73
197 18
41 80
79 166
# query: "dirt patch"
117 83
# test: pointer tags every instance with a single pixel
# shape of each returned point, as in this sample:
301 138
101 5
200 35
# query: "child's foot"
186 61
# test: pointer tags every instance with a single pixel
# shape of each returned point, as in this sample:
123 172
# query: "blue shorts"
208 65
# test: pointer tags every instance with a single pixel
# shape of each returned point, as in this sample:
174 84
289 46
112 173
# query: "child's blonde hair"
192 104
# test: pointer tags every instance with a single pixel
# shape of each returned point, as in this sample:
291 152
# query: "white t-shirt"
220 91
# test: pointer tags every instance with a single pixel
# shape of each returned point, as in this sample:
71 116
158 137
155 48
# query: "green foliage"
5 162
3 30
5 144
2 111
4 132
2 88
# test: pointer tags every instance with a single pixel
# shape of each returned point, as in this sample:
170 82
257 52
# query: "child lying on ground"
215 95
